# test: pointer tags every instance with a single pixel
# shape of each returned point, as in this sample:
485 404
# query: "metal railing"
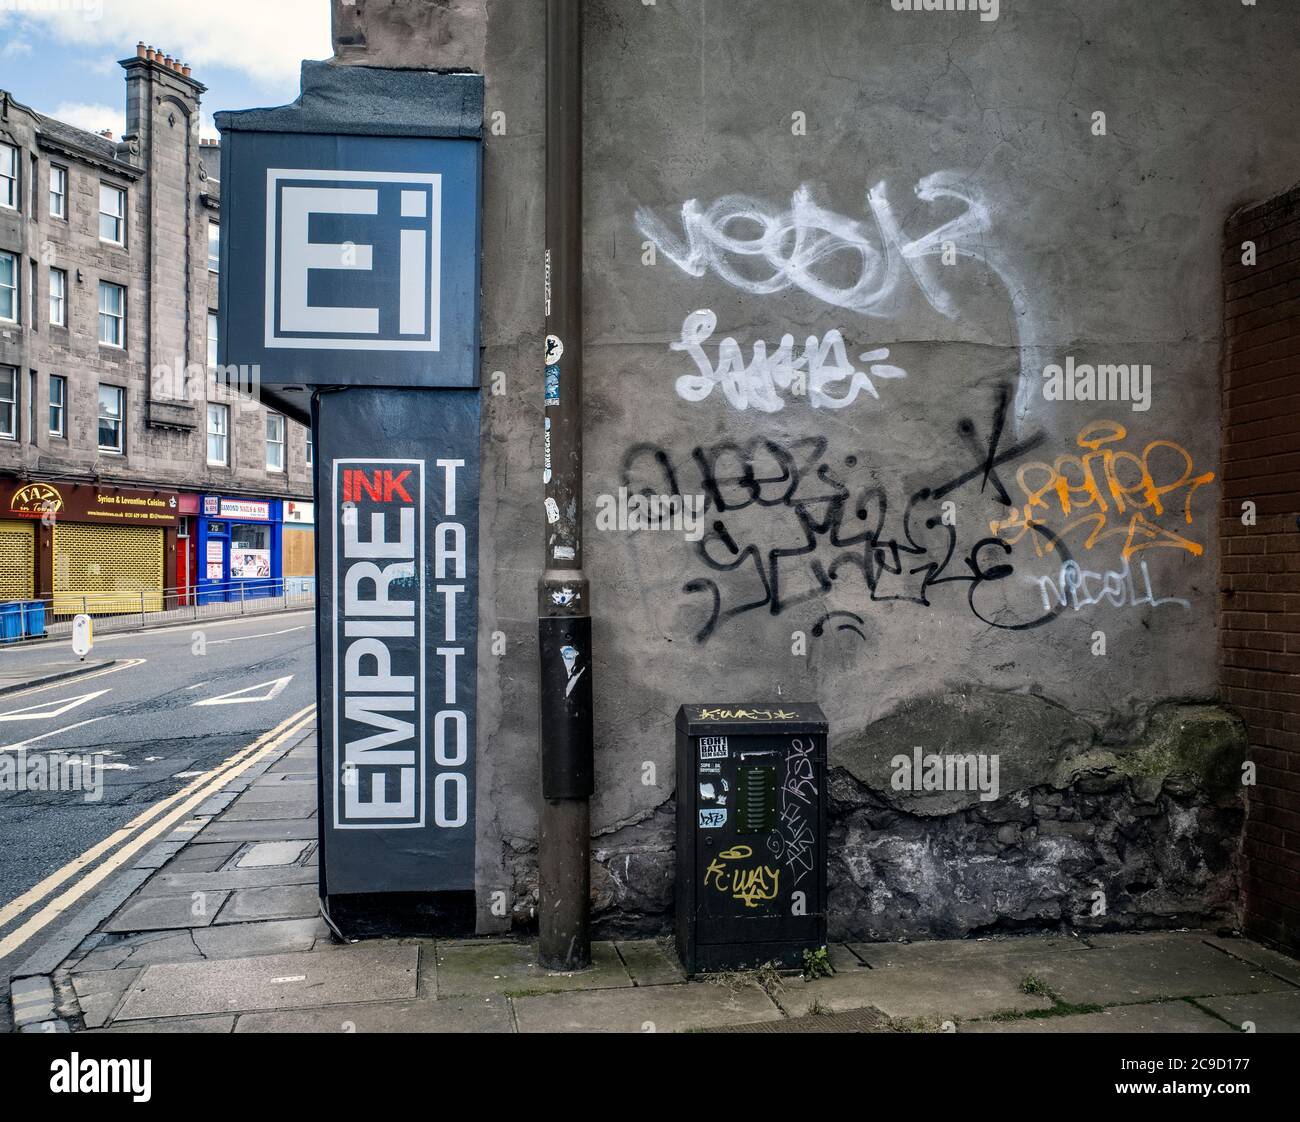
127 609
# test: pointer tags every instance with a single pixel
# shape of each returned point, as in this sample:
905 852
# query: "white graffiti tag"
821 364
795 247
860 266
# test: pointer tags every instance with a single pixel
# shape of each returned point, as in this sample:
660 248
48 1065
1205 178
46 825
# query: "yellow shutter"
17 560
106 568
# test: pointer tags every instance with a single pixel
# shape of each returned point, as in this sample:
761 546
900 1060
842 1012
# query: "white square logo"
353 260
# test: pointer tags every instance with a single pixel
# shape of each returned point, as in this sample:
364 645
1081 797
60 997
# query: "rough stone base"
1136 828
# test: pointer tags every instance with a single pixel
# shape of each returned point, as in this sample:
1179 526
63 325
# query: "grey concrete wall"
936 193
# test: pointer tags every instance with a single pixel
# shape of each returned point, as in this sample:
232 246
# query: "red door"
184 581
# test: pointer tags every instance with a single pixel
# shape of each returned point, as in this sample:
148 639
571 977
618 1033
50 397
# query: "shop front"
238 548
299 546
86 547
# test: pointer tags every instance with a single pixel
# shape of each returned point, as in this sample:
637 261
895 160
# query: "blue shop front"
240 548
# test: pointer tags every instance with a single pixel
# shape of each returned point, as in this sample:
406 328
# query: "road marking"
62 903
38 892
54 732
192 625
238 697
259 635
41 710
121 664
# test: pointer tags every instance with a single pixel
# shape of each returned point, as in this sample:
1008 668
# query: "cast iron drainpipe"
564 610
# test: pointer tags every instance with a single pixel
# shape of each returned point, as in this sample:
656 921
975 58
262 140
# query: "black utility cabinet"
751 834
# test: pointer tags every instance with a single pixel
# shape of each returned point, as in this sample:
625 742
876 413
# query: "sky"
60 56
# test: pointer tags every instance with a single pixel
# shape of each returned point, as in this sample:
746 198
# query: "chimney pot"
185 69
140 49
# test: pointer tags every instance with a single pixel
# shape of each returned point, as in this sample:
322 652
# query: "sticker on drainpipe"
554 350
552 511
552 385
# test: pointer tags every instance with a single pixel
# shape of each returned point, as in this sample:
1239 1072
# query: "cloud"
265 41
15 48
92 118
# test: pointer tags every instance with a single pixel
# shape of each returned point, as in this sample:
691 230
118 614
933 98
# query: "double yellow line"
172 809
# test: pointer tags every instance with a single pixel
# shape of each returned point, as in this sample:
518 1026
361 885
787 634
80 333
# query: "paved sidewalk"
16 676
222 935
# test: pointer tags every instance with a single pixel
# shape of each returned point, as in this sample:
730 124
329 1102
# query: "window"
58 405
218 434
58 192
31 406
212 339
112 214
214 247
9 402
112 400
8 176
311 448
58 298
31 289
250 552
9 287
274 442
112 314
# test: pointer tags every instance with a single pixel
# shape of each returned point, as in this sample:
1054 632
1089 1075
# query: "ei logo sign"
353 260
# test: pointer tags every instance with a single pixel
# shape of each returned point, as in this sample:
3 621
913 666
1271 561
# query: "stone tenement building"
122 471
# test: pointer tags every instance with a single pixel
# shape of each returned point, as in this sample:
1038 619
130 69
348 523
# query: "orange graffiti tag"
1114 492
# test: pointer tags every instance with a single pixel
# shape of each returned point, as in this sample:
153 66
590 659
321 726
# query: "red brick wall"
1259 635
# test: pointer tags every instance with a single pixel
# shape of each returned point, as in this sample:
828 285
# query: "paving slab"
265 855
454 1014
167 912
1284 966
507 967
98 993
365 972
964 950
223 1023
276 936
298 829
856 1020
651 962
141 949
1126 969
929 988
1163 1016
691 1006
33 1000
273 789
292 901
168 882
204 856
160 854
270 811
1265 1012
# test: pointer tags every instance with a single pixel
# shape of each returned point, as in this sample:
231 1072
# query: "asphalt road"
177 703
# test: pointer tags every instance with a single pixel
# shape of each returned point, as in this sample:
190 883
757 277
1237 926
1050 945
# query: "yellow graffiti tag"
752 886
747 715
1117 493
